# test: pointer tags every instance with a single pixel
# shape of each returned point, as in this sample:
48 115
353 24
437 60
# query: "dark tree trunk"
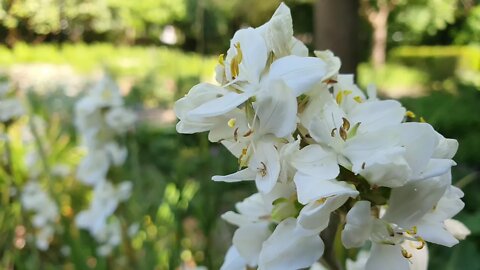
336 29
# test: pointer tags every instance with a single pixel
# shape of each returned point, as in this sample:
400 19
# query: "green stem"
8 167
330 257
40 149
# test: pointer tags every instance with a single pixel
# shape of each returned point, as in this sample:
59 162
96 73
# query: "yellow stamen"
422 242
343 134
422 120
341 94
241 161
239 52
263 169
221 59
346 124
231 123
339 97
413 231
406 254
321 200
358 99
410 114
237 59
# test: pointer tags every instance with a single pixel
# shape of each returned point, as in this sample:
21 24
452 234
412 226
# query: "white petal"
220 105
392 174
310 188
278 31
333 63
423 195
435 167
326 122
233 260
448 206
298 48
315 216
457 229
286 250
360 262
248 241
243 175
434 232
198 95
254 52
287 153
420 140
277 109
419 259
372 148
266 162
375 115
386 257
237 219
446 148
299 73
255 206
313 160
359 225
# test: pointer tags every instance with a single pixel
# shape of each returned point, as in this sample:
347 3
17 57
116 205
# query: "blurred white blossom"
45 210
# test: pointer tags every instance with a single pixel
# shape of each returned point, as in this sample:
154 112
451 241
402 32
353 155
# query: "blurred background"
424 52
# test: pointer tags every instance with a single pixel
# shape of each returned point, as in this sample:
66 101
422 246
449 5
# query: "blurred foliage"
174 203
419 17
75 18
469 33
424 68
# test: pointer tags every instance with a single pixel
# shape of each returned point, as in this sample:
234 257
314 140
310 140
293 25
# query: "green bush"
441 62
136 61
391 76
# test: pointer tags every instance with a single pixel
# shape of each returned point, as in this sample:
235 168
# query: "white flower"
246 72
264 168
94 167
352 149
416 212
254 243
367 136
109 237
103 94
288 249
117 154
233 260
106 198
120 119
46 213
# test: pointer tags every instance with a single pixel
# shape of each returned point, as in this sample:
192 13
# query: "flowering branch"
335 167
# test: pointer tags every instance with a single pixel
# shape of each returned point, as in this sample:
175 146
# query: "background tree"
336 29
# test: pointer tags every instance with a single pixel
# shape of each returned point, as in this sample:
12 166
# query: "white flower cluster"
35 199
10 107
100 118
315 144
